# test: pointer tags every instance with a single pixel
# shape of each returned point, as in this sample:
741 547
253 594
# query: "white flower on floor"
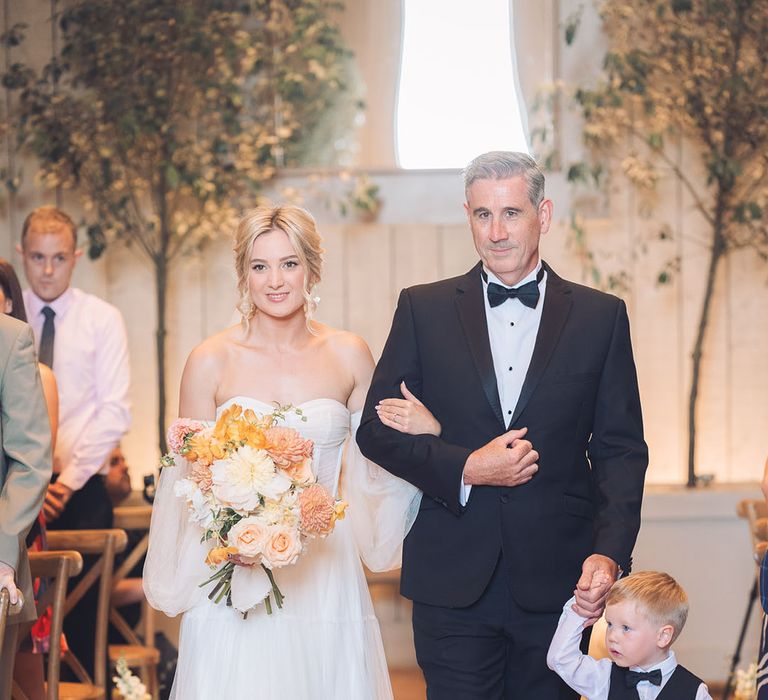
745 688
128 685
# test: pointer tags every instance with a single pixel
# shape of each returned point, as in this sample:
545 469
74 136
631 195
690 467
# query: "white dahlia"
244 476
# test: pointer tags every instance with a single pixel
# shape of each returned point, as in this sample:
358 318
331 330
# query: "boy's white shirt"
592 677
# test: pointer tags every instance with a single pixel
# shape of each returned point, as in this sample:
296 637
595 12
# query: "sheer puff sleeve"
382 507
175 564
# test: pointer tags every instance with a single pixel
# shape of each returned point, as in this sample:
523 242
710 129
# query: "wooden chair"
58 568
755 512
137 654
105 544
5 605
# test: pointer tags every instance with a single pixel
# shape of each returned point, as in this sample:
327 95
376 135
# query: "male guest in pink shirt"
83 339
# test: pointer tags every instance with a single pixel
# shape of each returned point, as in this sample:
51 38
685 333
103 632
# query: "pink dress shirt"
90 361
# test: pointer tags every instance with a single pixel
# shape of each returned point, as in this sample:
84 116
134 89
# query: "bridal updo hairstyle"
301 229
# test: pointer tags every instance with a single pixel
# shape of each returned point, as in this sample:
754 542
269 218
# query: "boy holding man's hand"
645 613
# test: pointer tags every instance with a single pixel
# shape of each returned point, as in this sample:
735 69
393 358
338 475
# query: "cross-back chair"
102 544
56 568
137 653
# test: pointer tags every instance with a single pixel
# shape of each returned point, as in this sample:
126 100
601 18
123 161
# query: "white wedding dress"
325 642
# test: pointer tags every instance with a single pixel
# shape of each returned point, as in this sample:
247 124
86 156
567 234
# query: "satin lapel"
557 305
471 311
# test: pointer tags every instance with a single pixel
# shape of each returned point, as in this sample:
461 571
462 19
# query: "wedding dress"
325 642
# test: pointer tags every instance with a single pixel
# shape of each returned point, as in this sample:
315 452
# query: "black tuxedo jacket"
581 406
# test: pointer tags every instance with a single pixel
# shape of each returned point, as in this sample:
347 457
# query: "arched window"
458 94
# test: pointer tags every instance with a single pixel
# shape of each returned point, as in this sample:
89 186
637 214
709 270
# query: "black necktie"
527 293
45 355
634 677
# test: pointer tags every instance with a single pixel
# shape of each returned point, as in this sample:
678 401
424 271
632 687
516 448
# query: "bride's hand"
408 415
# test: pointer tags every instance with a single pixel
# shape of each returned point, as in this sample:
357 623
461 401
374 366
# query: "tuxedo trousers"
491 650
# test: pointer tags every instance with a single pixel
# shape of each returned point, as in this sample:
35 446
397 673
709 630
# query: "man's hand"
56 499
598 574
507 460
8 580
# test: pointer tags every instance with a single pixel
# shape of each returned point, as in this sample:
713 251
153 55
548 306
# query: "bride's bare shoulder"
212 352
350 347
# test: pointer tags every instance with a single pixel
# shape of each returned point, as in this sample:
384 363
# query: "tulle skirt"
324 643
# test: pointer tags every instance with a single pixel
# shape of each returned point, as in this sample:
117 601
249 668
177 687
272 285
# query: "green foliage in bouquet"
167 117
693 72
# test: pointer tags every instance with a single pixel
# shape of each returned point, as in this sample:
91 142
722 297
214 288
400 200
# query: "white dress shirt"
90 361
512 331
592 677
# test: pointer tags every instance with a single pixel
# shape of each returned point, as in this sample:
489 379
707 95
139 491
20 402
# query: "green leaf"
577 172
656 141
571 25
172 177
755 211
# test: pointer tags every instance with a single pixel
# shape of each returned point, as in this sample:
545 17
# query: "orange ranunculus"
218 555
254 418
240 427
340 510
227 417
286 446
204 449
317 510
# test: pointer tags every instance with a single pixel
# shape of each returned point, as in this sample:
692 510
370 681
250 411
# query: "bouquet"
252 490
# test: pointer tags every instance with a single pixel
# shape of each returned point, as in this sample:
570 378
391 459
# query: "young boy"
645 612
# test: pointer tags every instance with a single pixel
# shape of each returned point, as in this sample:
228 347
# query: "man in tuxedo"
535 481
25 469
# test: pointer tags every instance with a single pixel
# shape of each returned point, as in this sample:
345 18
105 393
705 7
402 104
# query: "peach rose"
282 547
287 447
300 472
248 537
317 509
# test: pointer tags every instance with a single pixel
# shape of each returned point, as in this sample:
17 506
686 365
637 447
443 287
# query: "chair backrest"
105 544
58 568
755 512
133 518
5 604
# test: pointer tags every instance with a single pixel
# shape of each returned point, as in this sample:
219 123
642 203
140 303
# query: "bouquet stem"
279 597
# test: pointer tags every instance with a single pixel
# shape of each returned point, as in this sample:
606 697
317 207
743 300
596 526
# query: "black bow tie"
527 293
632 678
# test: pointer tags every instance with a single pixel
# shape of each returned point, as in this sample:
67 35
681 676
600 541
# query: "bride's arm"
197 396
408 415
382 507
174 565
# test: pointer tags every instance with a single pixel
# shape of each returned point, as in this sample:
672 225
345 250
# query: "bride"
325 641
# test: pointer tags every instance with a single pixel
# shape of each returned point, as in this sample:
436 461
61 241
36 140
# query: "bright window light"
458 89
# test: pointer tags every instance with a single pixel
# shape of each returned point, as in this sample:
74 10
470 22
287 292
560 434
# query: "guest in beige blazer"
25 471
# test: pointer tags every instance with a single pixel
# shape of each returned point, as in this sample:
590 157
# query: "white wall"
421 235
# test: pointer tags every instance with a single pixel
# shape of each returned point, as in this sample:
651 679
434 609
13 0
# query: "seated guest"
118 480
25 469
645 612
83 339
